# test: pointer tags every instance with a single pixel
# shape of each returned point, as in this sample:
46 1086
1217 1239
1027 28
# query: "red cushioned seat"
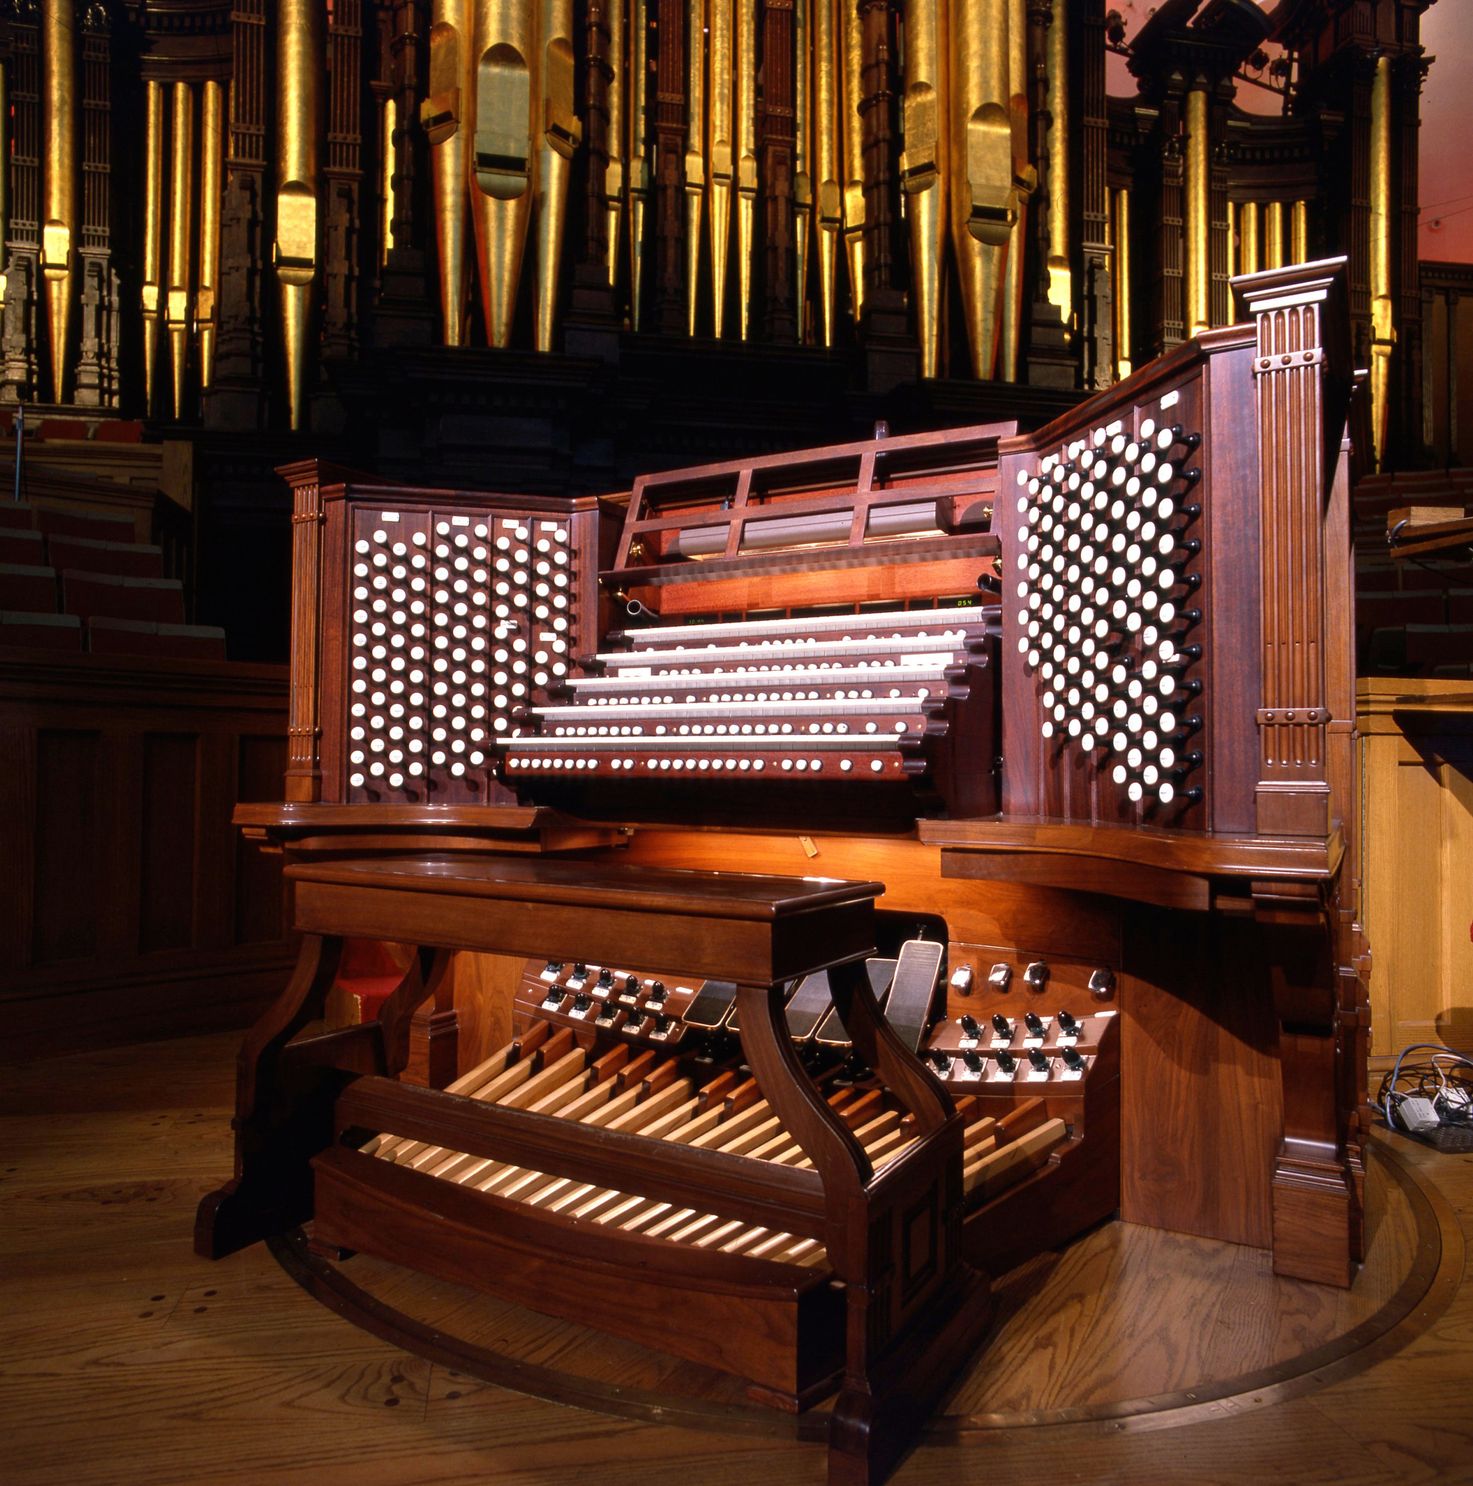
40 631
123 559
28 586
143 637
111 597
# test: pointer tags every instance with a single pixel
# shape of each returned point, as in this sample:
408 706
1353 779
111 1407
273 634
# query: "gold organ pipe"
299 72
802 174
719 151
825 145
211 179
153 231
983 201
388 128
924 165
746 157
1120 235
1273 234
1383 325
852 141
1010 333
58 229
1198 224
1299 232
560 134
181 218
446 115
1232 240
1060 273
695 160
614 178
1250 245
501 153
639 169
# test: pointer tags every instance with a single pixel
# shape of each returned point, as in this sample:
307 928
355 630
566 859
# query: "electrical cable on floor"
1432 1098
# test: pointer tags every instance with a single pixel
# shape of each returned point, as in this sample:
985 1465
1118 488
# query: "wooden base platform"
1125 1323
1135 1355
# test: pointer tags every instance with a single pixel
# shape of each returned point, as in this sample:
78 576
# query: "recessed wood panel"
166 859
66 846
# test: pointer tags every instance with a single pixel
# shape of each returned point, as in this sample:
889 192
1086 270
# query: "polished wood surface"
1417 748
221 1372
123 870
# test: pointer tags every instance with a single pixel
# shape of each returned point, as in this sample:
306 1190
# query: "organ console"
1071 707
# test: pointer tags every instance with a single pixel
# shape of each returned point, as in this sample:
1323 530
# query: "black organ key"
1068 1024
1034 1023
553 968
1001 1025
662 1024
973 1060
1038 1060
970 1026
913 989
634 1021
712 1004
1072 1060
605 979
582 1001
1005 1060
658 993
554 997
941 1061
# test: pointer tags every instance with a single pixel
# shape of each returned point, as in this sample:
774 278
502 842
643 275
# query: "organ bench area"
901 857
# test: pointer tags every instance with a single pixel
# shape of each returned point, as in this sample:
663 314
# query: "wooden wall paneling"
213 918
168 830
1197 1015
975 912
17 832
1234 648
1416 750
64 846
484 987
259 899
120 829
117 812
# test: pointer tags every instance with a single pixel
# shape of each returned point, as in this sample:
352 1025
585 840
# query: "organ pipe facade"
272 222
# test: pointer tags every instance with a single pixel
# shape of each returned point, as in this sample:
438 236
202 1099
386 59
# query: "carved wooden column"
342 180
777 136
403 313
590 323
303 729
1050 357
96 383
670 135
23 227
1097 290
891 351
1302 326
1296 315
236 398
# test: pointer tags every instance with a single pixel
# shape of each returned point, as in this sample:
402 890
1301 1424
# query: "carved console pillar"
1302 327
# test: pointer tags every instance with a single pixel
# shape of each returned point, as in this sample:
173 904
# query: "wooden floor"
125 1359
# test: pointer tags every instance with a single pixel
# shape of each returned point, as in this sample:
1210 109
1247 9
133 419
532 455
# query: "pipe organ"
908 854
737 164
